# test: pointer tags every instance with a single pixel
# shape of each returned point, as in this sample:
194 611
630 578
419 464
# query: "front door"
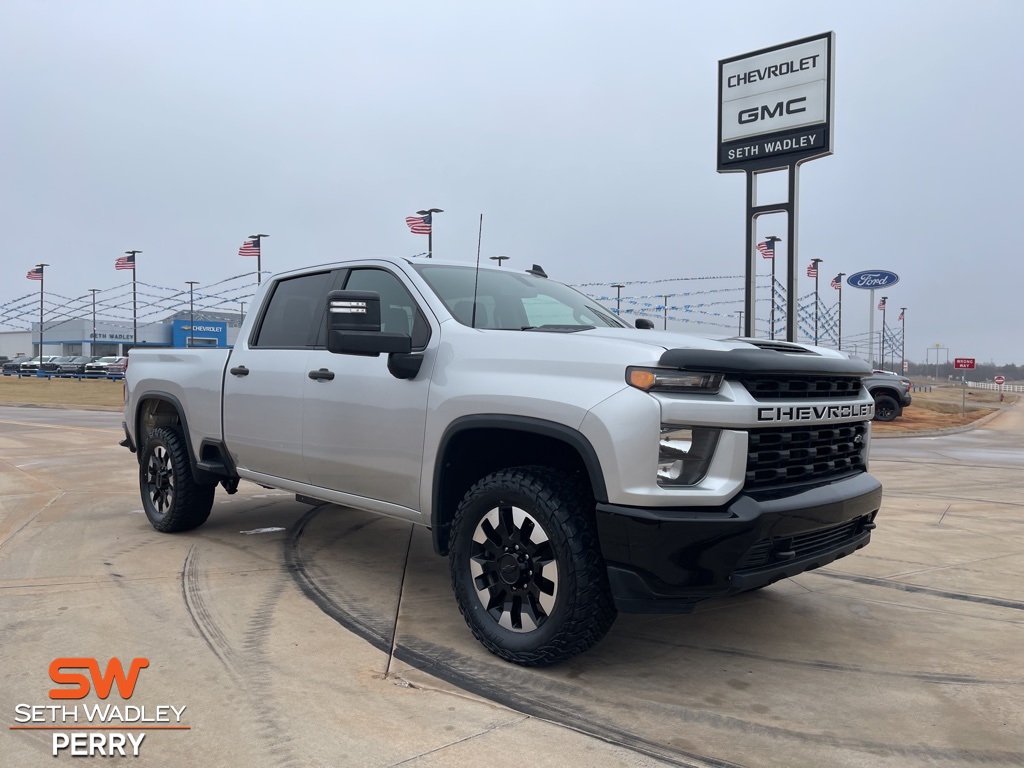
363 430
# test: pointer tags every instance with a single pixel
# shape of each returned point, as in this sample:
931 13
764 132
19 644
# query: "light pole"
927 356
191 313
498 259
665 325
135 310
739 330
429 212
903 335
92 343
256 241
242 313
772 240
881 338
618 297
813 269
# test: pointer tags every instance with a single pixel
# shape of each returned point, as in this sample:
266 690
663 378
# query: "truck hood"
667 340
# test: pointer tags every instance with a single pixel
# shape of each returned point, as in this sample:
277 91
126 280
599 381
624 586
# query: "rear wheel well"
472 454
152 414
159 411
886 391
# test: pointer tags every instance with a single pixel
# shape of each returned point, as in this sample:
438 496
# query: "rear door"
263 386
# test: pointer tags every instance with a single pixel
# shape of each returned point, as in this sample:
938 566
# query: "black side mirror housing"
353 326
643 322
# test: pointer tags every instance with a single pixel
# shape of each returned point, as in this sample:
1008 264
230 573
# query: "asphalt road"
298 635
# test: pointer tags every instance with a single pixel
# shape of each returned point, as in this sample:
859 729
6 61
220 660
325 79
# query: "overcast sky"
583 131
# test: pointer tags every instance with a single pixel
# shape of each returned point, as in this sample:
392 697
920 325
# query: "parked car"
74 366
117 368
31 366
51 366
11 367
891 393
99 367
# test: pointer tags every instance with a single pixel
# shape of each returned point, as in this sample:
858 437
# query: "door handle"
323 373
239 370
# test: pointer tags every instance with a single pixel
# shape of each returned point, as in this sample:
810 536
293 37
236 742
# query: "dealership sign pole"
775 113
869 280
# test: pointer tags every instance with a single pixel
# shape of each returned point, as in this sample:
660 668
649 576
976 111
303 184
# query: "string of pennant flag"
709 306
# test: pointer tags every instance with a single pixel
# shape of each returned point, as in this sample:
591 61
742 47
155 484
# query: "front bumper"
667 560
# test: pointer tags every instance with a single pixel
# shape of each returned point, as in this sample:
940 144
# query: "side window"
398 311
293 315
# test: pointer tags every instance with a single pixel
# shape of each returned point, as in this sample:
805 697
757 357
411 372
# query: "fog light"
684 454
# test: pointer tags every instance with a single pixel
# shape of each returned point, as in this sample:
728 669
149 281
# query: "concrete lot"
332 639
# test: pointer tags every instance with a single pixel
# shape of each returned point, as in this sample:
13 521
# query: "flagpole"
257 240
839 279
430 232
42 282
881 339
903 334
815 263
135 309
772 240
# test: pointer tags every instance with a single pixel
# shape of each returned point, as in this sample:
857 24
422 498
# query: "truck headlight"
684 454
673 380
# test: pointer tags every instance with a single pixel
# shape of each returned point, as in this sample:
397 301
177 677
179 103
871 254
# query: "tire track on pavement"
517 689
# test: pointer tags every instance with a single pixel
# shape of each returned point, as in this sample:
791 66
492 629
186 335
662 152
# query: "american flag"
881 304
767 249
250 248
837 283
125 262
900 317
812 269
35 273
420 225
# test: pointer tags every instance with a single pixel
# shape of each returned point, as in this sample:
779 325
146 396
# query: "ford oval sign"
872 278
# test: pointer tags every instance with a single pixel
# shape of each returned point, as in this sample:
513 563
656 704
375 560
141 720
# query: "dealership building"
76 336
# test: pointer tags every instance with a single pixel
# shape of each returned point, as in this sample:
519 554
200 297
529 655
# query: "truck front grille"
800 387
772 551
800 454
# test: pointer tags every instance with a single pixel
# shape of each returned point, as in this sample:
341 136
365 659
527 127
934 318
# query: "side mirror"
644 323
353 326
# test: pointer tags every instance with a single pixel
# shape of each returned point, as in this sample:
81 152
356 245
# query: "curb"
59 407
947 431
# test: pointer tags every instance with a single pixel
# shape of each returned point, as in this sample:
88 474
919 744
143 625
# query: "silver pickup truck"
568 465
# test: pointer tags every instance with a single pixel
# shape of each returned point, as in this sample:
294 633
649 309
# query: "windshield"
510 300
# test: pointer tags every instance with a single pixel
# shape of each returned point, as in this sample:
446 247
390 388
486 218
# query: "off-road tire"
580 608
173 500
886 408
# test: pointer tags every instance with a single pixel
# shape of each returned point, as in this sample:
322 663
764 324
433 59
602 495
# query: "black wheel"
170 495
526 566
886 408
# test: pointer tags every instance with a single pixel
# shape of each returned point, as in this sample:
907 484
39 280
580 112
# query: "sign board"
1000 380
872 278
205 333
775 105
963 363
